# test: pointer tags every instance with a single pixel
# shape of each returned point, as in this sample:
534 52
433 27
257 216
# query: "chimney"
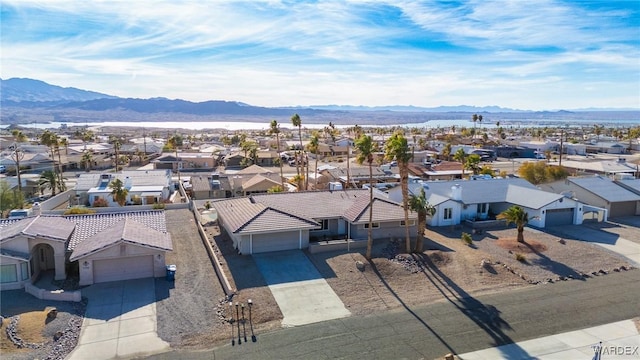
456 192
36 208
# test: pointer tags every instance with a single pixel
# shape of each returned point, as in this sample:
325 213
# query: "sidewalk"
620 340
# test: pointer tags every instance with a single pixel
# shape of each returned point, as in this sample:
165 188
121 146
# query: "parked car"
3 169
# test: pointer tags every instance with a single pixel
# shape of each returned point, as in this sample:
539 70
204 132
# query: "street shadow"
485 316
408 309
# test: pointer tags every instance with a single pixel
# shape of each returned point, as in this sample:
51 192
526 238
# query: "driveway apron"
303 296
120 321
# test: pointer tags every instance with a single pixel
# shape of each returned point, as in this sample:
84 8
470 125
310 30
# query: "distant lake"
244 125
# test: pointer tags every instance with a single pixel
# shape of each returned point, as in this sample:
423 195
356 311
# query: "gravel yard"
187 308
35 330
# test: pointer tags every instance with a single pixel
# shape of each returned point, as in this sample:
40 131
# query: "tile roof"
242 215
259 183
89 225
253 169
51 227
313 204
124 230
383 210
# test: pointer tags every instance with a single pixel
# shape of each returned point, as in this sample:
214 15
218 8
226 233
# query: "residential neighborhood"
266 233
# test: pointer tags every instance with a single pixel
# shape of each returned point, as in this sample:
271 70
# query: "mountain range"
26 100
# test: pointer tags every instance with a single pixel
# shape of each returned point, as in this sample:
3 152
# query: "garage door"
127 268
556 217
626 208
275 242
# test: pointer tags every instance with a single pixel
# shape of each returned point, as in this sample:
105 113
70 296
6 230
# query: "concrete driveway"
120 321
303 296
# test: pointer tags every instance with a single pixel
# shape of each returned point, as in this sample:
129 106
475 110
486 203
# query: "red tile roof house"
286 221
105 247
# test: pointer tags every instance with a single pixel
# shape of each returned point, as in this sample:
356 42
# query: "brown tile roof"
259 183
253 169
383 210
242 215
125 230
50 227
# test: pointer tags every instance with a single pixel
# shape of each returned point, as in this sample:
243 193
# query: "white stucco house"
102 247
145 187
460 200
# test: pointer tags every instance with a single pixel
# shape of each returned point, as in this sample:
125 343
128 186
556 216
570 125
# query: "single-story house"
285 221
458 201
210 187
105 247
144 187
253 179
600 191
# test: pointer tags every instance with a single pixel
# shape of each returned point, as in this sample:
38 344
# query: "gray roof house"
603 192
461 200
284 221
106 247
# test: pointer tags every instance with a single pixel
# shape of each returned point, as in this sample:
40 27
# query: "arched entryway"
42 259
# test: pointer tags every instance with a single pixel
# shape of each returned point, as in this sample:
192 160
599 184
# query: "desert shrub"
521 257
100 202
79 211
158 206
466 238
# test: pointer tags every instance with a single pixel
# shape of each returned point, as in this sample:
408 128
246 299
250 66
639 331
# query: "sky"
527 55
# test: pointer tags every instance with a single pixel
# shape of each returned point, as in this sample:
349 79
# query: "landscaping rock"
360 265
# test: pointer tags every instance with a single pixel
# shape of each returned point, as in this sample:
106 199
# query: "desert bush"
158 206
79 211
521 257
466 238
100 202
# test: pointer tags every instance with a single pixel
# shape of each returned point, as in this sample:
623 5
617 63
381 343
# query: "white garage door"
127 268
276 242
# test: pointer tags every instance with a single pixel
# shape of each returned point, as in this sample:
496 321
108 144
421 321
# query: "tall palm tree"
397 148
274 128
421 206
459 156
174 143
474 118
314 143
118 191
49 180
515 214
49 139
366 148
297 122
87 159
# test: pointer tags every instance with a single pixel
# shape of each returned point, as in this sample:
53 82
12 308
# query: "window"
325 225
8 273
411 223
374 225
24 268
482 208
448 213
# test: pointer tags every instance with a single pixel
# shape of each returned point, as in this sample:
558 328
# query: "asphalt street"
458 324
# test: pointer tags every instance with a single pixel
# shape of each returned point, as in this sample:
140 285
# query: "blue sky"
530 54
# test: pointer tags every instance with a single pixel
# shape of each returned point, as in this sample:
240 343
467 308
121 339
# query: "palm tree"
118 192
50 139
296 121
366 148
18 135
420 205
174 142
459 156
313 147
446 151
397 148
474 118
472 163
49 180
87 159
515 214
274 128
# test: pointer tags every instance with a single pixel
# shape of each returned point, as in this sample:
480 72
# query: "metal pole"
238 322
233 338
253 336
244 328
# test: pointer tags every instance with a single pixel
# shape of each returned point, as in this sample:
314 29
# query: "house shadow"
320 261
243 269
485 316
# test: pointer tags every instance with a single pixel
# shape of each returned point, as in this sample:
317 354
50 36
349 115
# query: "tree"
275 189
10 199
366 147
397 148
50 139
446 151
174 142
49 180
474 118
516 215
297 122
274 128
118 192
539 172
420 205
460 156
473 163
313 145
